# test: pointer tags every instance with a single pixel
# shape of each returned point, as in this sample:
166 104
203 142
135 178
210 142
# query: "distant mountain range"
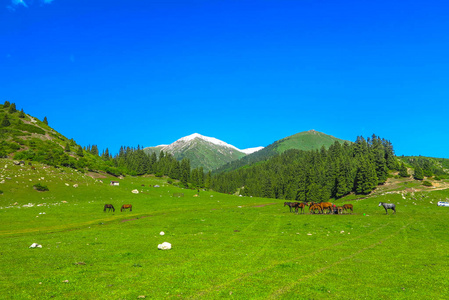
216 155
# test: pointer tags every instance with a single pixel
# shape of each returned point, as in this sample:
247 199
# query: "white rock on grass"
164 246
162 233
35 245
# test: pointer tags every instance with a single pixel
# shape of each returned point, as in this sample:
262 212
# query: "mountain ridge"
202 151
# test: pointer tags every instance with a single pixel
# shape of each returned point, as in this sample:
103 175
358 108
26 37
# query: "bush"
427 183
1 192
40 187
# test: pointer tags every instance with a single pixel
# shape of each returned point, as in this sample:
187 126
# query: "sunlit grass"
223 246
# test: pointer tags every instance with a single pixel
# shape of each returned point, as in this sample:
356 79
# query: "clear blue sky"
130 73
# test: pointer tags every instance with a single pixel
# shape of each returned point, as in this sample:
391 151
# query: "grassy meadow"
223 246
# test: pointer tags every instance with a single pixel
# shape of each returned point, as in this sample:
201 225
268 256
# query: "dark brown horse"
126 206
347 206
301 205
290 205
109 207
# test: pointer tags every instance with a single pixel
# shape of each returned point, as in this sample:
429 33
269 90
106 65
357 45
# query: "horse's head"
380 203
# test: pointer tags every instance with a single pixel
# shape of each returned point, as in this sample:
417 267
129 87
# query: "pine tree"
45 121
22 114
418 175
79 151
94 150
403 171
12 108
67 147
6 104
5 121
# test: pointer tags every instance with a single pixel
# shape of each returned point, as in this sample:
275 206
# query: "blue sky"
130 73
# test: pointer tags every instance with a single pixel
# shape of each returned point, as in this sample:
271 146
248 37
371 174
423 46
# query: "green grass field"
224 246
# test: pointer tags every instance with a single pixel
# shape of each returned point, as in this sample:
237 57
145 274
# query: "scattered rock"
164 246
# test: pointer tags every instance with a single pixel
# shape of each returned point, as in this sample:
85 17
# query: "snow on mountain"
207 139
251 150
211 140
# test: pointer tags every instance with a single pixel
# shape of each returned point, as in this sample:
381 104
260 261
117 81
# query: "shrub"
40 187
427 183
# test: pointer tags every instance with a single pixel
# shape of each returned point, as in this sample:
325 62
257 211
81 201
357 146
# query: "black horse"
388 206
109 207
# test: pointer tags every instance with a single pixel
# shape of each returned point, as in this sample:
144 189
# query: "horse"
340 210
109 207
326 205
290 205
347 206
302 206
315 207
126 206
388 206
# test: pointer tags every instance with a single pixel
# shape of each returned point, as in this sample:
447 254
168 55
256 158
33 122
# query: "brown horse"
326 205
126 206
347 206
315 207
339 210
109 207
302 206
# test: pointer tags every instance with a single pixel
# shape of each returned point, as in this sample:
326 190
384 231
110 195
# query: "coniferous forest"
315 175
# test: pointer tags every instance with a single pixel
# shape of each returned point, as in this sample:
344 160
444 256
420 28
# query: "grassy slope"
223 246
308 140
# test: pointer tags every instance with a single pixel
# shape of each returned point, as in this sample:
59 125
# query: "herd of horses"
329 208
110 207
321 208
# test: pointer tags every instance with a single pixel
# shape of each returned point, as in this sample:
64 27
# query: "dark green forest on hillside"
316 175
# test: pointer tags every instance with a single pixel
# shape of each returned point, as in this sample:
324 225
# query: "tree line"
316 175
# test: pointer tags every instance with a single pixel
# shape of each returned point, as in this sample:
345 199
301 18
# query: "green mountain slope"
25 138
307 140
202 151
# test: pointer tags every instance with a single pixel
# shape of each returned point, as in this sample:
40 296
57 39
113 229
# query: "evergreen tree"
185 171
366 179
6 104
5 121
105 155
22 114
418 175
79 151
403 171
45 121
12 108
94 150
67 147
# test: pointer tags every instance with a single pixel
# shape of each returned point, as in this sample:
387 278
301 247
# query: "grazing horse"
126 206
388 206
326 205
109 207
347 206
340 210
315 207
